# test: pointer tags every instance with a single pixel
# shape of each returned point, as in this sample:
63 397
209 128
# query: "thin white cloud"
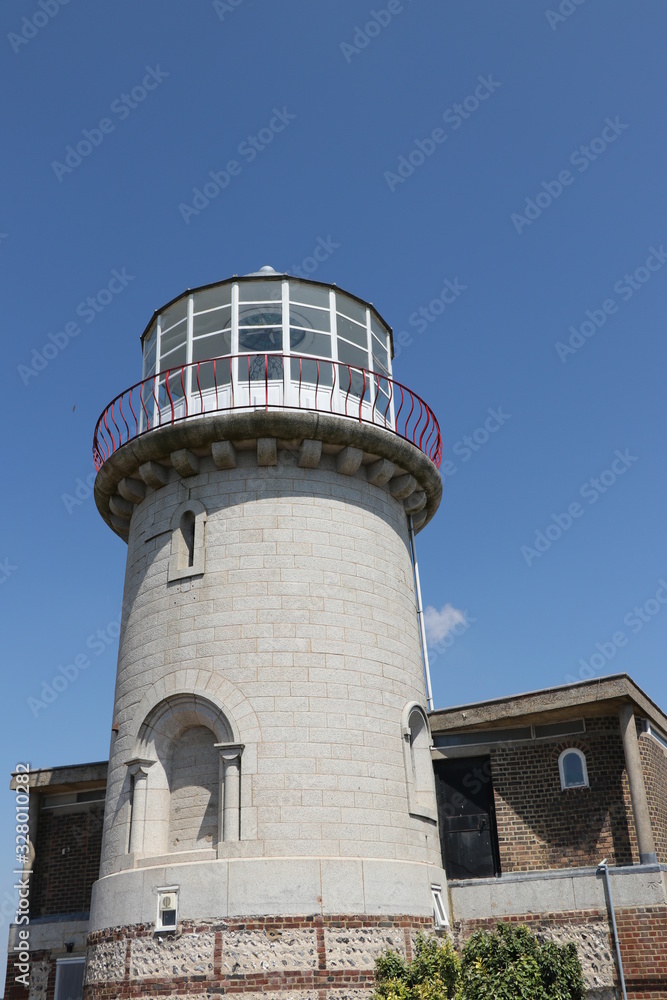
440 623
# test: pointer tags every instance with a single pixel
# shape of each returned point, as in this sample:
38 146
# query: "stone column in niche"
138 768
229 815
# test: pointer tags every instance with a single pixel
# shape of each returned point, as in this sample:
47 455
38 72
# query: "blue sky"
539 199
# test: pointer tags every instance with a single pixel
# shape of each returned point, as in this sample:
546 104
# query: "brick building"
66 812
274 816
534 792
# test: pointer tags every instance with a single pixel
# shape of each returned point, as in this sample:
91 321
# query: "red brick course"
313 980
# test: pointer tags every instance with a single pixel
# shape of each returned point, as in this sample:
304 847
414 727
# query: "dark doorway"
467 818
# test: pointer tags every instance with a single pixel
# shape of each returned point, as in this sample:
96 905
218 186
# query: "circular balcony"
266 381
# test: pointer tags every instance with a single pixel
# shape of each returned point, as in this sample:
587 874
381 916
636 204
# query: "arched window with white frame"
418 763
573 769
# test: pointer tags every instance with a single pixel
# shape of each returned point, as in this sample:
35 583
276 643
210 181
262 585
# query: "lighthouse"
270 821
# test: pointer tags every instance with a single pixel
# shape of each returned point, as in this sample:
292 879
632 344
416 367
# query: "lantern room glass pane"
351 331
351 308
312 295
379 330
150 342
260 291
262 339
269 315
213 298
352 383
313 319
174 314
210 322
172 346
350 355
211 374
260 367
309 342
380 356
317 373
171 384
213 346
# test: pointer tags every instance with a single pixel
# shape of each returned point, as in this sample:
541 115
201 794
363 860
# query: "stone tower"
270 816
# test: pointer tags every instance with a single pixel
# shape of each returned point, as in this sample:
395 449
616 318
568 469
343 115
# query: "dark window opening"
188 532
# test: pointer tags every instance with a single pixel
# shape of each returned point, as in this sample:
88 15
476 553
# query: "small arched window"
572 768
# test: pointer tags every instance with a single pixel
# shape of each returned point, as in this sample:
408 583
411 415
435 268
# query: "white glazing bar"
287 346
188 352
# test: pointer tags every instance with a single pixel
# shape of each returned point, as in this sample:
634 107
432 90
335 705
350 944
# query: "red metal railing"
272 381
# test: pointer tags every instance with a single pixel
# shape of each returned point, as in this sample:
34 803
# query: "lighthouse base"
312 957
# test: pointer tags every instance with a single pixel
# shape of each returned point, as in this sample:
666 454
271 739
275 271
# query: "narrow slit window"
188 549
188 533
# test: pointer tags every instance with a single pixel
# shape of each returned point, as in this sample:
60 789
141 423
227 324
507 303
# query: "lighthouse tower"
270 821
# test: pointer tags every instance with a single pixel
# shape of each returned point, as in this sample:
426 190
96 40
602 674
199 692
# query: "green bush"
433 974
506 964
510 964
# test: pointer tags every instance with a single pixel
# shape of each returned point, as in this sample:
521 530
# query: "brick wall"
642 932
67 860
540 826
654 762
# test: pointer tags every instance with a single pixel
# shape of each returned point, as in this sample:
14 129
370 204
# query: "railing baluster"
136 422
423 431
